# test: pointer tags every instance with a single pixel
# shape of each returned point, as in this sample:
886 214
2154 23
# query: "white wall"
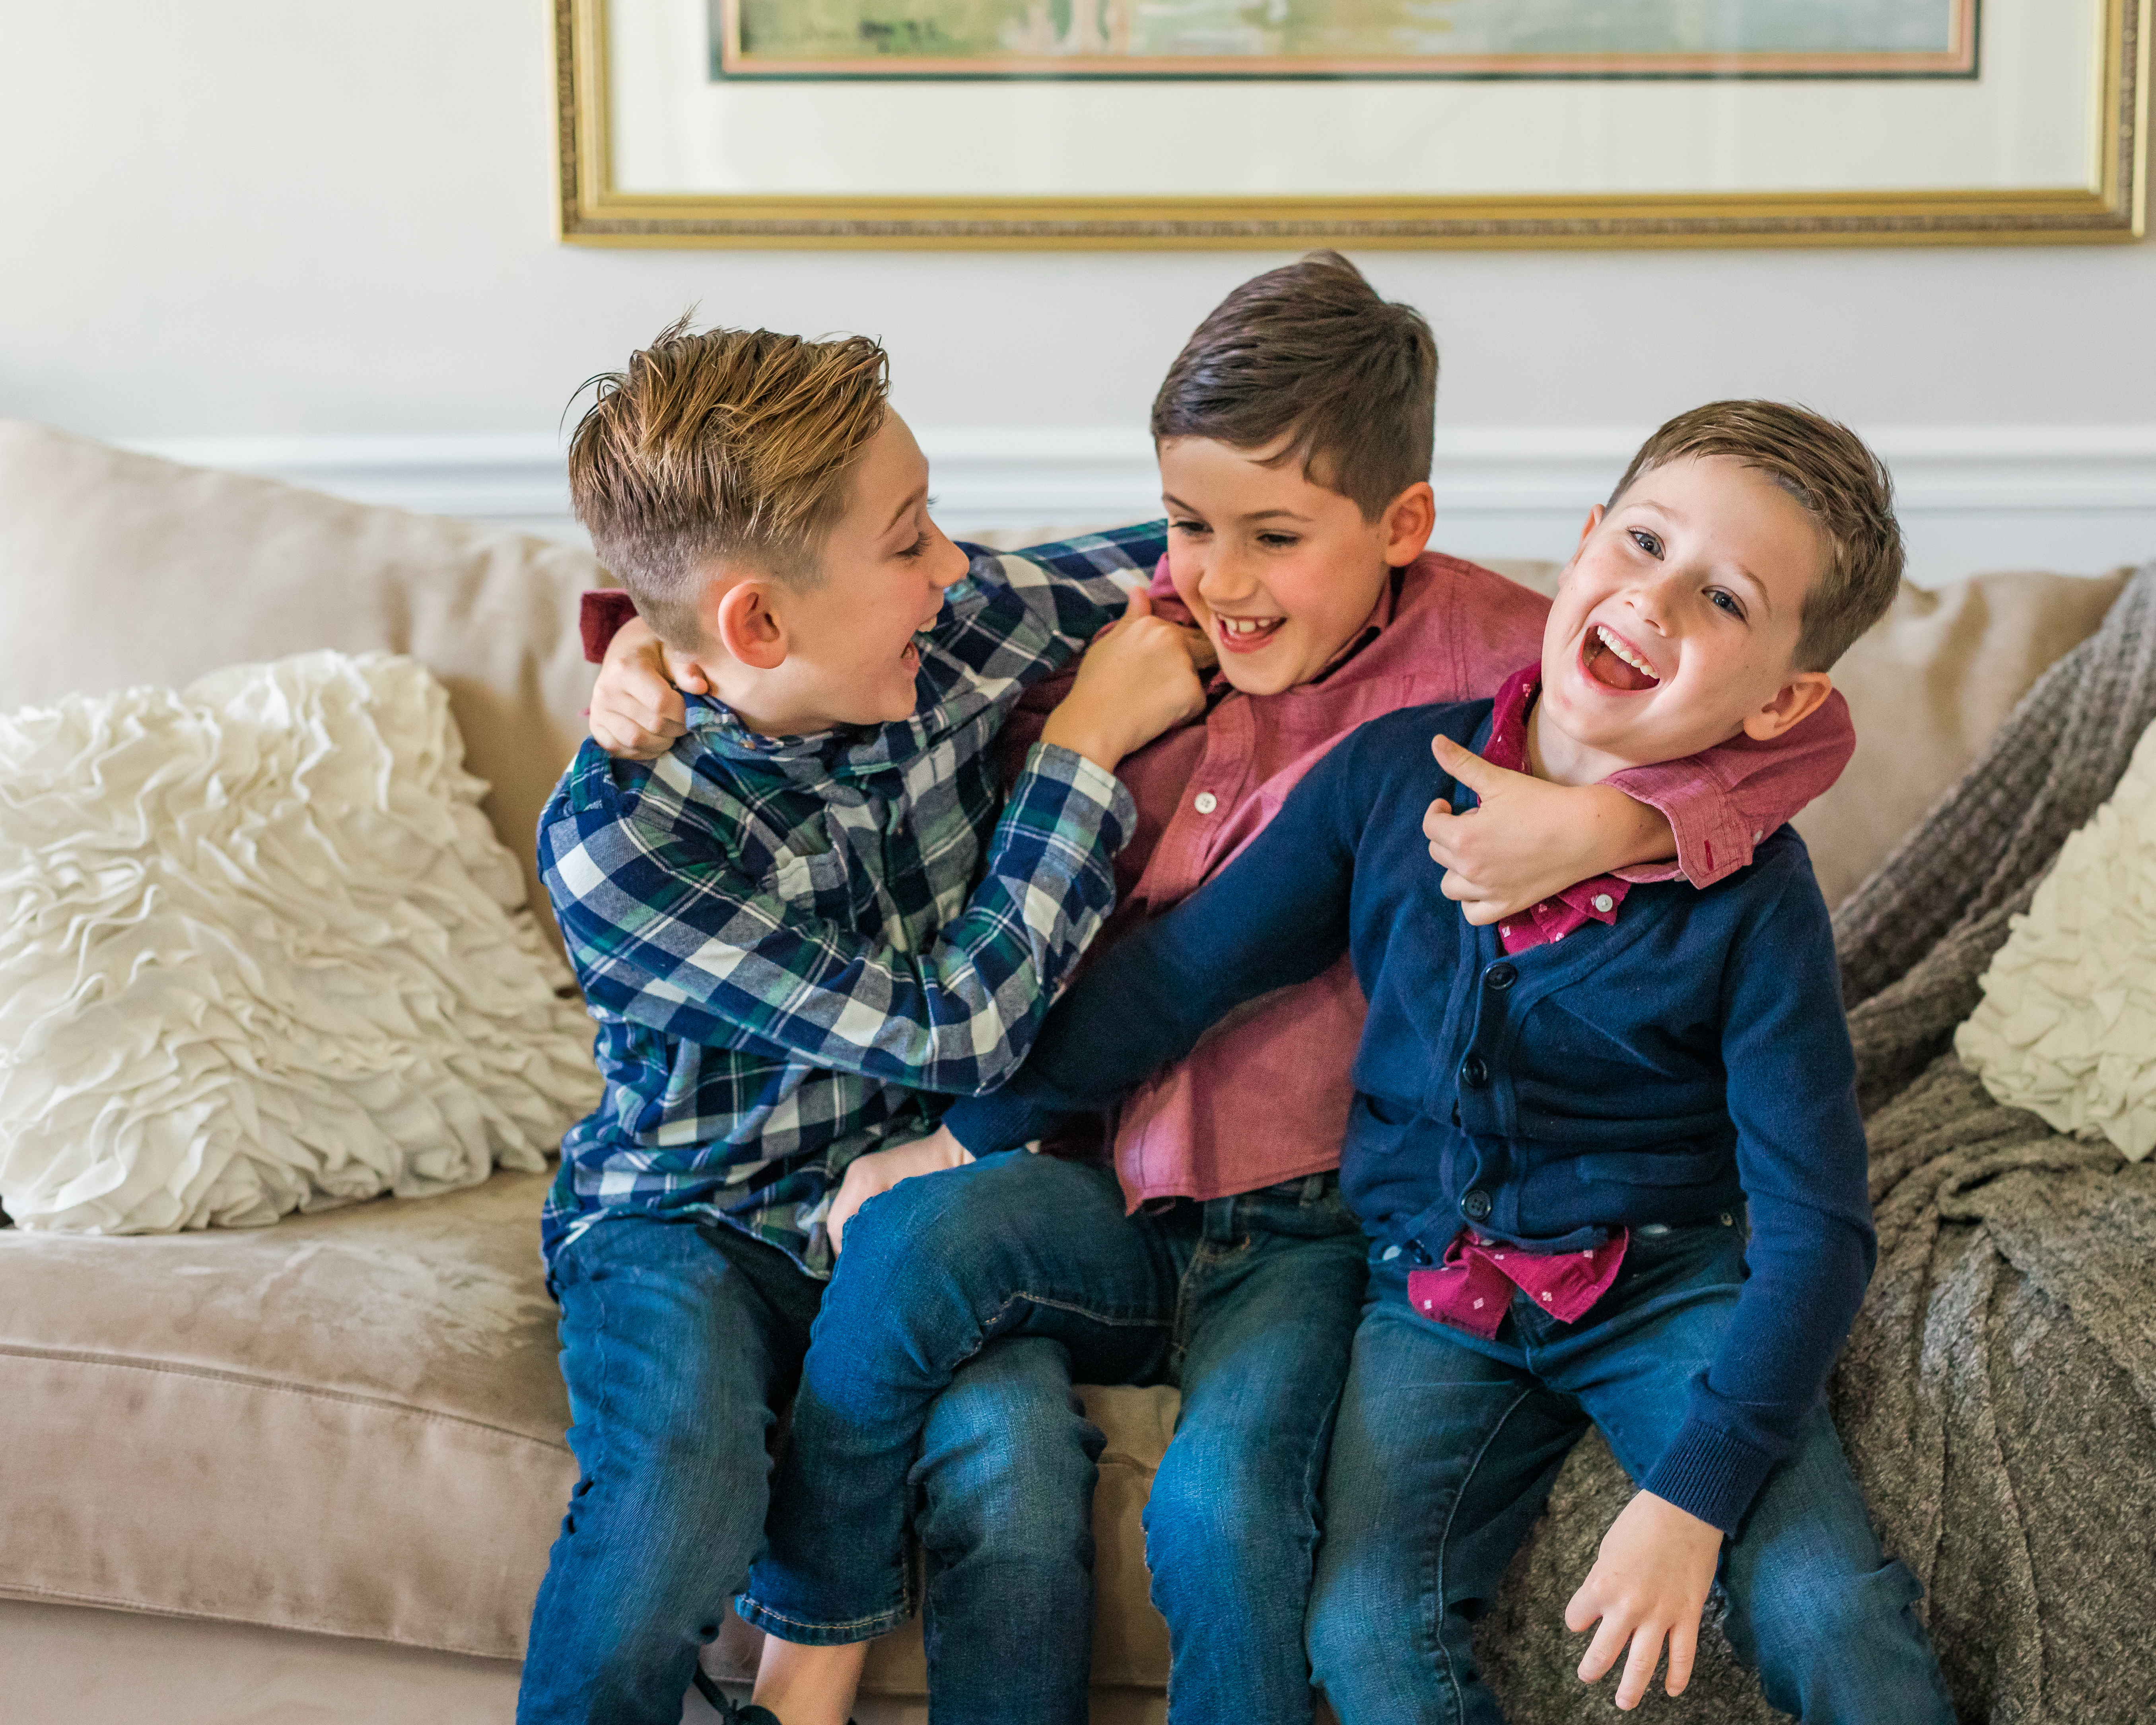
294 218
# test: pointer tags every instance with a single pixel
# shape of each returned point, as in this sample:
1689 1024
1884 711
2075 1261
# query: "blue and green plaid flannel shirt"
792 946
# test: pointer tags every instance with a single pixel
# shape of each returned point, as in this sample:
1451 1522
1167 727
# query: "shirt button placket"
1205 802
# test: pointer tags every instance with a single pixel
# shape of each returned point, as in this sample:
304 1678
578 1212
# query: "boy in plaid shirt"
816 906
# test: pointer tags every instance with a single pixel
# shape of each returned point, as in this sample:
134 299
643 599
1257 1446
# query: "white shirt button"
1602 902
1206 802
1757 836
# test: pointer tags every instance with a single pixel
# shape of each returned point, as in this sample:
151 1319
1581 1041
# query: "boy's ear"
1409 520
1593 520
745 623
1799 698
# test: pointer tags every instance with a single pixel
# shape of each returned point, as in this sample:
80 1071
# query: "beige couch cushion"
1927 686
352 1424
118 569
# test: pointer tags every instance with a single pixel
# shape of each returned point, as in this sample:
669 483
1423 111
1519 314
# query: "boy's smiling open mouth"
1245 634
1614 663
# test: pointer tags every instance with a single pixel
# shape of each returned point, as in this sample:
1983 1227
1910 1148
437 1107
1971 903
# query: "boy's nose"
1648 600
1220 581
949 567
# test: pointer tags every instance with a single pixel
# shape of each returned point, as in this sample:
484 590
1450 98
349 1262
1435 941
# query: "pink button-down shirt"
1265 1098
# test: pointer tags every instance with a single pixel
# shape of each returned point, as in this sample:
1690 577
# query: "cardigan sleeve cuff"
1001 1119
1709 1471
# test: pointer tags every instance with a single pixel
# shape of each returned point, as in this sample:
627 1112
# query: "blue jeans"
1247 1303
680 1343
1448 1444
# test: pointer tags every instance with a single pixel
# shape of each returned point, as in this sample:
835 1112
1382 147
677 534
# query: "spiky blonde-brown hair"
1831 471
732 446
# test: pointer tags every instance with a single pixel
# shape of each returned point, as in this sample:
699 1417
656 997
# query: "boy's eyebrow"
907 506
1256 515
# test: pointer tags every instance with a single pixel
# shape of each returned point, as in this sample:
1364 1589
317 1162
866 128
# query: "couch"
311 1472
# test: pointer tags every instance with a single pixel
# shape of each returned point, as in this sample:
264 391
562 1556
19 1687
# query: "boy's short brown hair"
1828 469
734 444
1310 352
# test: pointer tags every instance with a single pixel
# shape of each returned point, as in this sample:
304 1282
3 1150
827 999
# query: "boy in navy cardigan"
1608 1152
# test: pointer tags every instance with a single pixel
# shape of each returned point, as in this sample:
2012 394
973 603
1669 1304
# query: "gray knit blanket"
1998 1395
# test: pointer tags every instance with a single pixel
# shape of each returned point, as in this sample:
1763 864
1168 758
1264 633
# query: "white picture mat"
2028 122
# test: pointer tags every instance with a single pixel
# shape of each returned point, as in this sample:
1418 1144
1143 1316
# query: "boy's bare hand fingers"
633 717
1481 912
1203 654
1684 1649
604 734
1639 1669
853 1191
655 700
683 673
1605 1650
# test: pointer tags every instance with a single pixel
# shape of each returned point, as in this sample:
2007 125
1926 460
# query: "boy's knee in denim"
676 1340
1005 1488
1827 1619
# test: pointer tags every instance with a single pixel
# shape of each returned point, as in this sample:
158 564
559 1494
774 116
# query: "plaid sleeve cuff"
1090 801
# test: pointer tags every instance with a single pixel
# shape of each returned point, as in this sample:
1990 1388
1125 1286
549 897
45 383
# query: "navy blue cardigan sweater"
1693 1056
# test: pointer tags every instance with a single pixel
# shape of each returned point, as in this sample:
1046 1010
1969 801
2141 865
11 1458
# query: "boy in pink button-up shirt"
1294 435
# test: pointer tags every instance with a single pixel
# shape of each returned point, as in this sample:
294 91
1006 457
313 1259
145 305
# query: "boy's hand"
1135 681
1650 1581
880 1170
636 710
1529 839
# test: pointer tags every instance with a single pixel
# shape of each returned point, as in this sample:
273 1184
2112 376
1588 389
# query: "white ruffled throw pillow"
259 951
2067 1026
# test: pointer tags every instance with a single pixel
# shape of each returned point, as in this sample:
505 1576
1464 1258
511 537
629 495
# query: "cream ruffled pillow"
2067 1026
259 951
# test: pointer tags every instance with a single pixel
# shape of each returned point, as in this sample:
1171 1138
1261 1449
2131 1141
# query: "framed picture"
1261 123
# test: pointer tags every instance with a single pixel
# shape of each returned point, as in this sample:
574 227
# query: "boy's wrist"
1081 737
1632 834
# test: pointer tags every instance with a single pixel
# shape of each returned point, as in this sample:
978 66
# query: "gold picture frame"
2109 206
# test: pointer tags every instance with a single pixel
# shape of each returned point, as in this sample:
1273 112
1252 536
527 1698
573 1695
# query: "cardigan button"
1500 977
1475 1205
1474 1072
1205 802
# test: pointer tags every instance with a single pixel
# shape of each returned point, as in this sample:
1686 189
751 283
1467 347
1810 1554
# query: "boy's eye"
1646 541
1189 528
919 548
1277 541
1725 601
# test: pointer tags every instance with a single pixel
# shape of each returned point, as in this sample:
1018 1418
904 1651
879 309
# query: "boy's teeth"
1625 654
1246 625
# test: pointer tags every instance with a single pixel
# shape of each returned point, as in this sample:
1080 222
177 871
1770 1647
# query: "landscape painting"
1277 38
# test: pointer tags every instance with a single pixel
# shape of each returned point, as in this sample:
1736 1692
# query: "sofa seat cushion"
353 1424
